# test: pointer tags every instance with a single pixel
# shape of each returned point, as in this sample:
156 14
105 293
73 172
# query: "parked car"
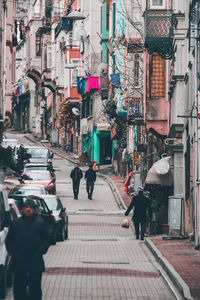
39 177
43 210
4 256
26 190
59 212
33 154
39 166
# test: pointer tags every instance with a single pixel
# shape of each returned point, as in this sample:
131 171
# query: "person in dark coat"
26 242
141 206
76 175
90 177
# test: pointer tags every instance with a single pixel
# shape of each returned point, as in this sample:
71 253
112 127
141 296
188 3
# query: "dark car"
59 212
33 154
27 189
43 210
39 166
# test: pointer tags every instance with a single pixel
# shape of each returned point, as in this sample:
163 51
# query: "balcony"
64 24
134 111
159 32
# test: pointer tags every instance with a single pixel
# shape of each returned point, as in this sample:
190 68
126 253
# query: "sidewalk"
177 256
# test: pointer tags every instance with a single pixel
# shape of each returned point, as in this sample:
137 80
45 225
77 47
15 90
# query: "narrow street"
100 260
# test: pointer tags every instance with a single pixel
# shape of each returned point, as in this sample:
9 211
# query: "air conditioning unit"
84 130
172 141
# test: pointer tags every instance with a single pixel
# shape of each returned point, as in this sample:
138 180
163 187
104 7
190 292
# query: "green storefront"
98 146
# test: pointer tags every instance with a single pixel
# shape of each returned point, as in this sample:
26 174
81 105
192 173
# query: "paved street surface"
100 260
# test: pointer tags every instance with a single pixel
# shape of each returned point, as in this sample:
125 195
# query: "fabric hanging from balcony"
115 78
104 85
104 82
93 83
80 85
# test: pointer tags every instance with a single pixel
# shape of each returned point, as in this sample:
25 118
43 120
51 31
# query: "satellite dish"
75 111
102 69
81 35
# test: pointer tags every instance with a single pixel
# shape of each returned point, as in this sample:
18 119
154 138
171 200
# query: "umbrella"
160 173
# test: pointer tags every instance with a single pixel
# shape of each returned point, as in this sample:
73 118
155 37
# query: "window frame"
154 6
49 55
38 44
136 70
74 77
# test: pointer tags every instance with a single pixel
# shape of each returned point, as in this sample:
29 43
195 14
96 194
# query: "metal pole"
4 63
196 125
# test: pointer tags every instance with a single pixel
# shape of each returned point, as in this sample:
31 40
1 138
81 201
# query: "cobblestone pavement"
100 260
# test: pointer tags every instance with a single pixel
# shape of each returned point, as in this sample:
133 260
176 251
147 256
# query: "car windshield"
36 168
27 192
37 176
52 203
40 206
7 143
34 152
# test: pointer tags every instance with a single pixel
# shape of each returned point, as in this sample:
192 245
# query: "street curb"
171 272
115 191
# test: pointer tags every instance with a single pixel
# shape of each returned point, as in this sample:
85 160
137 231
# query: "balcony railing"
134 110
64 24
159 32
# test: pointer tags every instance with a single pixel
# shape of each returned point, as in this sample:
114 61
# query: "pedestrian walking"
76 175
26 242
90 177
141 206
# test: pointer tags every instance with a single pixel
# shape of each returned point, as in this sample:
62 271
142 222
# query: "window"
107 15
74 73
136 70
2 211
48 55
155 77
157 3
38 45
86 107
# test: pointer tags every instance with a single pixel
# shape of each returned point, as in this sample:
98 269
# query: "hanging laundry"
104 82
93 83
22 29
115 78
80 85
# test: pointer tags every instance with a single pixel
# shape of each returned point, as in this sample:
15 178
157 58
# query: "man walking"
26 242
90 177
141 205
76 175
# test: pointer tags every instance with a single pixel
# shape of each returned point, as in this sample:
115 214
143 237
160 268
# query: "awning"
160 173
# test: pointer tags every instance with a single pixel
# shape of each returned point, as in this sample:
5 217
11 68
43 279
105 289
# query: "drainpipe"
4 62
196 125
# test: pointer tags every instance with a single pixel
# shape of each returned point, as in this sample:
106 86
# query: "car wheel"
62 234
66 232
3 283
